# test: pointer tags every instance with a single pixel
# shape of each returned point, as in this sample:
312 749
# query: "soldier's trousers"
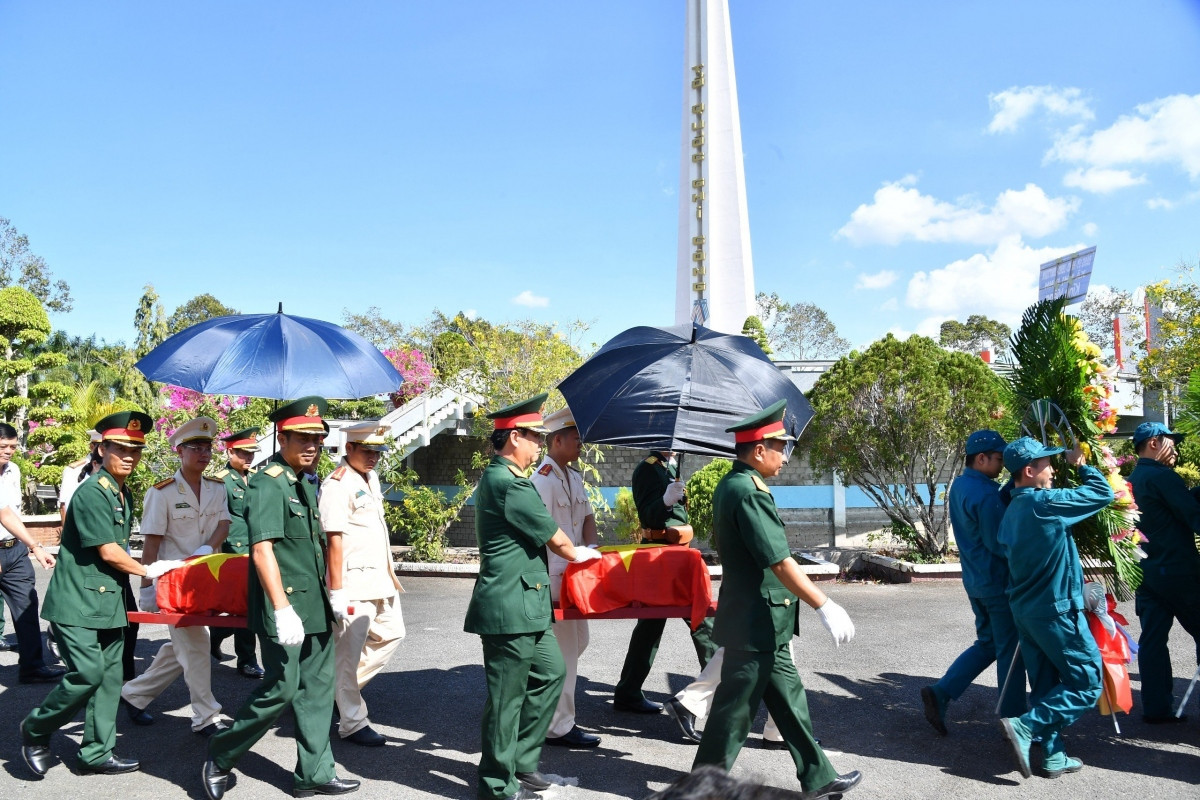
748 678
1161 600
1064 674
243 644
362 646
93 681
301 677
643 647
995 642
525 675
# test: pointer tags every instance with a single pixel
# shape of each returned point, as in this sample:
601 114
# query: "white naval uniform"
172 511
565 498
69 483
353 506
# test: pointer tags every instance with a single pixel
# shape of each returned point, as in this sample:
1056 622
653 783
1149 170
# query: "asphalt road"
863 696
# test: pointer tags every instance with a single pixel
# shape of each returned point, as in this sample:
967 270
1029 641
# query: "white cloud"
471 314
891 304
528 298
901 212
1089 229
1099 180
1160 204
1013 106
1163 131
999 284
880 280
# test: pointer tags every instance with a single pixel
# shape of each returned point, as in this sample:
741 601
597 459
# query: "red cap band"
508 423
124 435
299 424
754 434
242 443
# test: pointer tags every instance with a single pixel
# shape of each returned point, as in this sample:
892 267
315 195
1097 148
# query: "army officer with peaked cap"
510 607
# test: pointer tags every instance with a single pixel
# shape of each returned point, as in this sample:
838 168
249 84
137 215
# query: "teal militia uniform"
282 508
85 604
510 609
1170 588
650 480
1046 597
238 543
756 619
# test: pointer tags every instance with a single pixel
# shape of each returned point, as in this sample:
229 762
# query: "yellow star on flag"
626 551
214 562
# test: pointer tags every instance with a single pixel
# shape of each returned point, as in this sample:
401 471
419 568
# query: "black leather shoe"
844 783
216 726
252 671
42 675
366 737
214 650
138 716
113 766
1168 719
685 719
642 706
574 738
335 786
533 781
37 757
214 780
7 646
524 794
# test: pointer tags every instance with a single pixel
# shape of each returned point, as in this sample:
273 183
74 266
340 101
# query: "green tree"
149 322
198 309
700 489
893 421
799 330
975 334
1096 315
753 328
23 326
20 266
375 328
1174 350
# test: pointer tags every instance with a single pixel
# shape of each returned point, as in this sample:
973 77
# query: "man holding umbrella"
510 607
659 496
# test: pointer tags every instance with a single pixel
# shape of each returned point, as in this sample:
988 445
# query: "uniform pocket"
296 588
537 594
102 598
779 596
296 526
184 513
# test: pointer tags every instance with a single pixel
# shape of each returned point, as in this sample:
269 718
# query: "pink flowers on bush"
416 370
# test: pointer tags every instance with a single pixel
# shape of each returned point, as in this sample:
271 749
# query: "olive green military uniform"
85 604
282 509
237 542
756 618
650 481
510 610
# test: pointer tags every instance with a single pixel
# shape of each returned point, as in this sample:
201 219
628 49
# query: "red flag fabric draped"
208 585
640 575
1114 655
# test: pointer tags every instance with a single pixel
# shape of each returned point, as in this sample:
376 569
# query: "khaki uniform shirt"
565 498
172 511
353 506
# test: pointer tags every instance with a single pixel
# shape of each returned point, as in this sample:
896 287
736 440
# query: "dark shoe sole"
932 715
534 786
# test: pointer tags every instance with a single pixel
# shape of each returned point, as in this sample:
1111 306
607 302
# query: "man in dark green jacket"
759 613
1170 588
510 607
659 496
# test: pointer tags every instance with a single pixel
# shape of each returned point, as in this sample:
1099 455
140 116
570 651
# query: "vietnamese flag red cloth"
639 575
208 585
1114 655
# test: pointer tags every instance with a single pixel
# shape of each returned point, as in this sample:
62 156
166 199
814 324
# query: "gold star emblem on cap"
135 425
312 411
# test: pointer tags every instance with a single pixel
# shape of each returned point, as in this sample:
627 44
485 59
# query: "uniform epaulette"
652 460
221 475
165 484
216 478
338 473
275 470
106 483
80 462
516 471
545 470
760 483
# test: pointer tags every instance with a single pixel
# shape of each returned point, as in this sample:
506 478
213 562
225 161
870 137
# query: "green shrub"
628 527
1189 473
700 488
423 514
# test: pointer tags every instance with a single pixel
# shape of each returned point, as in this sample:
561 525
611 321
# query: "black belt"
8 543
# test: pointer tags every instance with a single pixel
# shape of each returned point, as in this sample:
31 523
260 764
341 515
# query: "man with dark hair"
510 607
759 612
1046 596
1170 588
659 495
975 513
17 581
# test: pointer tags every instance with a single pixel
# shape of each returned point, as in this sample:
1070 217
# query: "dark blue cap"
1148 430
1024 450
985 441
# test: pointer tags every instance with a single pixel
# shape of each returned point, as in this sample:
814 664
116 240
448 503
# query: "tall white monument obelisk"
715 281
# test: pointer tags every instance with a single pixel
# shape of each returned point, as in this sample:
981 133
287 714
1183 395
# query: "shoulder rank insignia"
165 484
221 475
652 460
515 471
275 470
106 483
762 486
217 478
338 473
545 470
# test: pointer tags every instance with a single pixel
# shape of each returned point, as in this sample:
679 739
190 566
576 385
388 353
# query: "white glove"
288 627
340 604
836 621
583 554
148 598
203 550
160 568
674 494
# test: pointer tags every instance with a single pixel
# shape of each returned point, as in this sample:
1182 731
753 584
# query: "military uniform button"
101 590
787 601
289 590
539 586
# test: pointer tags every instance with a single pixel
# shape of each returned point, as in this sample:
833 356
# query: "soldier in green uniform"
289 610
240 447
510 607
759 612
658 494
85 604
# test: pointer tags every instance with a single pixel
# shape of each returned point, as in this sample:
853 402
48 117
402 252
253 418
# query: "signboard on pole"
1067 276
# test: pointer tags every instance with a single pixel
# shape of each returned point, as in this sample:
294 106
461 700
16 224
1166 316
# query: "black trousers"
19 588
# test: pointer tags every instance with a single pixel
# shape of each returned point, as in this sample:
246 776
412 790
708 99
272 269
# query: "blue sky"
905 163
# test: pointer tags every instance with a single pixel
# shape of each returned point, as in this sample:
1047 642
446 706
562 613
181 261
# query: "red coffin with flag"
639 575
208 585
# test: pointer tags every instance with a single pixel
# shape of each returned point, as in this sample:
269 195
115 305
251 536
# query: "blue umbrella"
677 389
271 355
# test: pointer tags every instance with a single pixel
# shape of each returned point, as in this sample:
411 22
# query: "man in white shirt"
562 490
185 515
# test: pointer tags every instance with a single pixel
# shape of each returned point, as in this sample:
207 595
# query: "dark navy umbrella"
677 389
271 355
